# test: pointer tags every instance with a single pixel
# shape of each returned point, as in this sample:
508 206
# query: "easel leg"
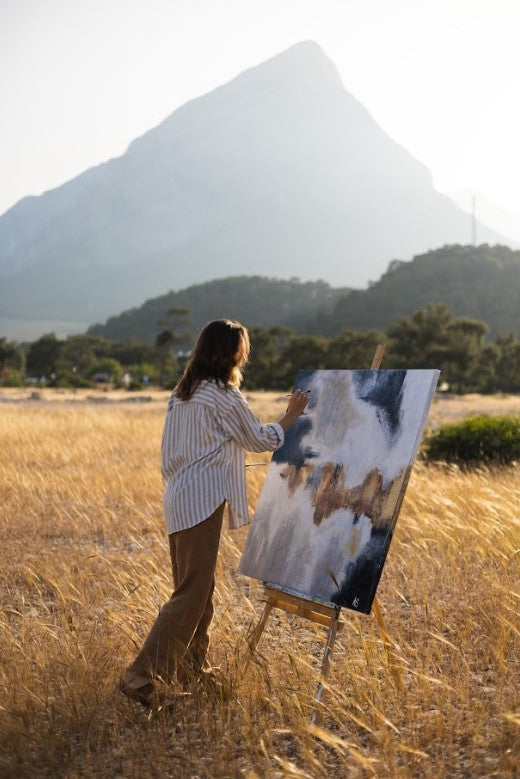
331 638
255 638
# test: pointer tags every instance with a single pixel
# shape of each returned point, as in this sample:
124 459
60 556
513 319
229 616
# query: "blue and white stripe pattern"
203 454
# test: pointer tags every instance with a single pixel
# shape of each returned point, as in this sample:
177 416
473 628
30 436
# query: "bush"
480 439
10 377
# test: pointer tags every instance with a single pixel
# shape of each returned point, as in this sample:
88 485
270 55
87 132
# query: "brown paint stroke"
370 498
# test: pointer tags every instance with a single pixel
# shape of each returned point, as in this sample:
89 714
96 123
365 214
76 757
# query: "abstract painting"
332 494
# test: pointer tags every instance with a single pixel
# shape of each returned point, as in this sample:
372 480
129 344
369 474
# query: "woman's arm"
297 402
244 427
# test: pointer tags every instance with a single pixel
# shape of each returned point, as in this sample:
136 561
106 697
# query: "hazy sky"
79 79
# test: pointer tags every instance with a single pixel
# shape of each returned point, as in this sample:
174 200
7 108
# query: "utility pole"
473 222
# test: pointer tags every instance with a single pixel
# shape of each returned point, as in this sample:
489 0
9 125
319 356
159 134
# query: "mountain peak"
298 88
305 60
304 52
307 48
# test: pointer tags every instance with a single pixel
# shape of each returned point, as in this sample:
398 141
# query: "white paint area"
347 429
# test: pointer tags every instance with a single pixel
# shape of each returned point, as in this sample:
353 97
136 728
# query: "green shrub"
11 377
479 439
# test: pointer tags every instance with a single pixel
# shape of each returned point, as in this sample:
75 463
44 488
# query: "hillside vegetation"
475 281
256 300
481 282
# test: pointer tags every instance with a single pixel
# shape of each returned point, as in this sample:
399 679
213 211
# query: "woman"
208 425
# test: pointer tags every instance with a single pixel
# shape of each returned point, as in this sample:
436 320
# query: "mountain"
481 282
280 172
253 300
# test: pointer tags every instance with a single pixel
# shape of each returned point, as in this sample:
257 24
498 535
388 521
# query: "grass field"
84 569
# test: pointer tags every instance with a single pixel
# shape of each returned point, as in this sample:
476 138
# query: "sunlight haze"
81 80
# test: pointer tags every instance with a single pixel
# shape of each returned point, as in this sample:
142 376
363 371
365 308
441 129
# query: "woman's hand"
297 403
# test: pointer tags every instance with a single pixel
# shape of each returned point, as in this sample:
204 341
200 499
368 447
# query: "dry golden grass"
84 569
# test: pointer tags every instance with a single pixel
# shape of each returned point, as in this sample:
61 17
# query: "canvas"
333 491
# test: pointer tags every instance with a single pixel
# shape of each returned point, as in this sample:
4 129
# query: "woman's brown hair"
222 349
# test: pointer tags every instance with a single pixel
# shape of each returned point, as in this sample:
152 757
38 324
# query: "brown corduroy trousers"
178 641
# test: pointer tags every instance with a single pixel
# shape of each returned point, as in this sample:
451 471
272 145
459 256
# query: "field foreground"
84 569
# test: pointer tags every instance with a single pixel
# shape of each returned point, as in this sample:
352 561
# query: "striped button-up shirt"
203 454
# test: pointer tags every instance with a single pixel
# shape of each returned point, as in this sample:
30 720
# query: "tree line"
430 338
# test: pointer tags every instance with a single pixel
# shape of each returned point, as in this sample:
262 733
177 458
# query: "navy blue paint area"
292 451
383 389
359 585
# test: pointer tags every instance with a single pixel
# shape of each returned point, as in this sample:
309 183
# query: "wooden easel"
322 614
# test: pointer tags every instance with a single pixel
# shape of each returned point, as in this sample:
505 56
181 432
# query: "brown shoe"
139 688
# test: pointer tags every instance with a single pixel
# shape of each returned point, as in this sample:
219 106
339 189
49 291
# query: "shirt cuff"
280 432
